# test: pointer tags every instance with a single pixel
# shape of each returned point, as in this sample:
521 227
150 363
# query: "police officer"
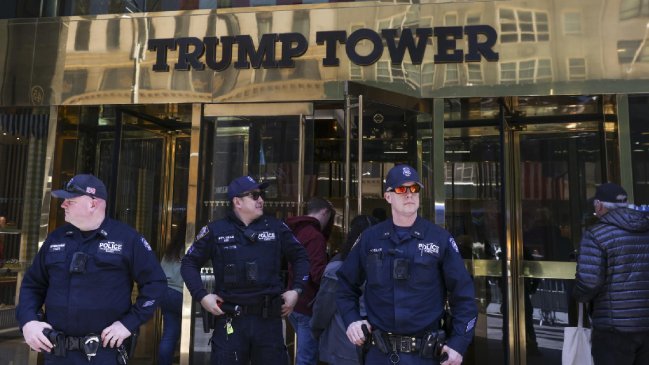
84 274
411 266
249 298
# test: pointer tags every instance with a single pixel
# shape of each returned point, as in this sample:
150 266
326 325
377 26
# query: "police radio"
78 263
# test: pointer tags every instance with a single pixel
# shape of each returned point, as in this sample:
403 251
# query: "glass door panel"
472 180
391 131
139 196
386 129
390 135
266 148
559 165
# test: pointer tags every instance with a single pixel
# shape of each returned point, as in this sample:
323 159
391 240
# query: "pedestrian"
412 267
326 323
249 300
613 275
312 230
171 304
83 275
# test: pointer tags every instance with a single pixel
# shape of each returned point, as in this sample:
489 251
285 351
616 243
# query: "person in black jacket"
613 274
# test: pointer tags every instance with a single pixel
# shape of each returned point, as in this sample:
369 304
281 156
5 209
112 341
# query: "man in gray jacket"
613 274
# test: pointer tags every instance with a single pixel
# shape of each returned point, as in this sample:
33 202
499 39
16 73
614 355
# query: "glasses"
70 187
255 195
404 189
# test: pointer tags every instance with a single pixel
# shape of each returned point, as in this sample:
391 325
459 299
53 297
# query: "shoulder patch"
148 303
470 325
204 231
145 244
453 244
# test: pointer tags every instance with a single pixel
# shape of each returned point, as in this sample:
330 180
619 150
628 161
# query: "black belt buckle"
407 344
90 345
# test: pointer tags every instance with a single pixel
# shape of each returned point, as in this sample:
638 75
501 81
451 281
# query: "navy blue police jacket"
414 305
234 249
83 303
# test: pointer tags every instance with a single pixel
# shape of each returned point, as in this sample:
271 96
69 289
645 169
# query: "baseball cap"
243 184
400 174
83 184
611 193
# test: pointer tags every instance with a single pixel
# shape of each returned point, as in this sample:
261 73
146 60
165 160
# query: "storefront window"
23 139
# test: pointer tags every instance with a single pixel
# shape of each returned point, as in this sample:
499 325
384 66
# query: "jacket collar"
416 230
103 230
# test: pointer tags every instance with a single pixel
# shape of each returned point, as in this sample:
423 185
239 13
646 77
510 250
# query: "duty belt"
87 344
405 344
429 346
269 307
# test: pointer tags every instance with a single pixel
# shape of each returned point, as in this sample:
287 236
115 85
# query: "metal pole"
348 159
359 167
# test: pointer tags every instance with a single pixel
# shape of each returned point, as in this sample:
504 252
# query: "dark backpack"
324 304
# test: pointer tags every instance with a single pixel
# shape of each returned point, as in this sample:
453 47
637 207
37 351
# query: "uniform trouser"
620 348
376 357
252 338
105 356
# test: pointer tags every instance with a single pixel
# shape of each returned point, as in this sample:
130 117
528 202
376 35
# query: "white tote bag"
576 343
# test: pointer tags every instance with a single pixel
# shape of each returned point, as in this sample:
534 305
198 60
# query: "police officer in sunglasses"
409 267
83 275
246 249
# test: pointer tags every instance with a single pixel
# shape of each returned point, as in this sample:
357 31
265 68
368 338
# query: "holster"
381 341
131 343
432 345
209 320
269 307
127 349
57 339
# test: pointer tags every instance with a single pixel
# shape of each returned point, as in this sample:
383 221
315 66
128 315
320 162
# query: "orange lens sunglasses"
404 189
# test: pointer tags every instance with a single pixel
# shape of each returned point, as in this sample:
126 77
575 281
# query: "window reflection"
97 7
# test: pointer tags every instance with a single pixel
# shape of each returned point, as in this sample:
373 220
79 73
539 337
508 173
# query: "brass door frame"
349 105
